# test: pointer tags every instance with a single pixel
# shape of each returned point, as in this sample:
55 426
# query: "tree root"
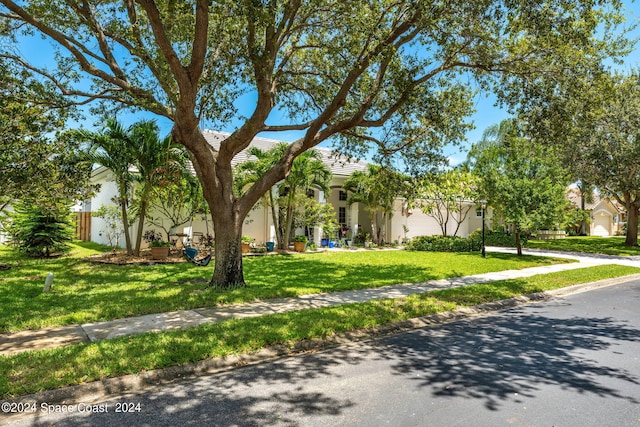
226 286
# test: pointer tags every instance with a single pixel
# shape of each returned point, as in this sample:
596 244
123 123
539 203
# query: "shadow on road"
495 359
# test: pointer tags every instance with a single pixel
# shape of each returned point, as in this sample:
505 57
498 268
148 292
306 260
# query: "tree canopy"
594 124
37 165
389 75
524 182
448 197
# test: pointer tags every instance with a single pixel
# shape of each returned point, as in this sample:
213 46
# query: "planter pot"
332 244
161 252
324 242
270 246
299 246
245 248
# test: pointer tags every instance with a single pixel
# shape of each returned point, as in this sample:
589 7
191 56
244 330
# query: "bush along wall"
446 243
498 238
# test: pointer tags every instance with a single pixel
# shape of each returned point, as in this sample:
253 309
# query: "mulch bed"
120 257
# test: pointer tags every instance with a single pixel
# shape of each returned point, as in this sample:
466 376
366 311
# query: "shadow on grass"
84 292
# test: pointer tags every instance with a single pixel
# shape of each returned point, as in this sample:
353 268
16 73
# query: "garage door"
601 226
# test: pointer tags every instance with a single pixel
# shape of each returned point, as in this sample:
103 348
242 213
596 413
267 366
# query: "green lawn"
48 369
589 244
83 292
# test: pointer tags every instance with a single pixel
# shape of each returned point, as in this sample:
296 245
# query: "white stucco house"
606 218
258 224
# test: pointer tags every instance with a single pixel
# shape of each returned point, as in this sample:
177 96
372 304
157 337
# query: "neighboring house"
259 225
604 214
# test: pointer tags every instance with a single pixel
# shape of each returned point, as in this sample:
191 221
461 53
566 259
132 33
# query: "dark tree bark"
633 209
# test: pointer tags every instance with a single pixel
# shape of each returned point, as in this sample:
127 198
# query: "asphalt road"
573 361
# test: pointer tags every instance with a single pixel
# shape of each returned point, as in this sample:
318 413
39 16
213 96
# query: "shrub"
300 238
497 238
41 232
444 244
151 236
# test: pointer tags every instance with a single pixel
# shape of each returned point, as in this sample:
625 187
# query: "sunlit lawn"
84 292
47 369
588 244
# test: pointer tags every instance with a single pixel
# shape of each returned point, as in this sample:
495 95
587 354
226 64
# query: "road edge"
128 385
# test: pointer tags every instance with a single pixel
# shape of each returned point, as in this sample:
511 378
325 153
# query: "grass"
83 292
588 244
48 369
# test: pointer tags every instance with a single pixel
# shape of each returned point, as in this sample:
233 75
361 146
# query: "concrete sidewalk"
48 338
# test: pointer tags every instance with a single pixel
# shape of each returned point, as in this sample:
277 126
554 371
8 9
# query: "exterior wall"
108 190
258 224
4 238
421 224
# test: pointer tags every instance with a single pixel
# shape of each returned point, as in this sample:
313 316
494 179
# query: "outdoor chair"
190 254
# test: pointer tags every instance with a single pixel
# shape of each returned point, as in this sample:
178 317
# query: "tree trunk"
143 214
289 219
583 223
125 220
227 273
276 223
632 224
518 241
374 227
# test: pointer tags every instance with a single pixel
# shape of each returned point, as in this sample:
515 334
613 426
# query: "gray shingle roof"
339 165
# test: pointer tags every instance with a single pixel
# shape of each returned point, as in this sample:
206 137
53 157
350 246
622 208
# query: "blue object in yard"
191 252
270 246
332 244
324 242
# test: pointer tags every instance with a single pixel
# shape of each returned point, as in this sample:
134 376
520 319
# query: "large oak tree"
389 74
595 119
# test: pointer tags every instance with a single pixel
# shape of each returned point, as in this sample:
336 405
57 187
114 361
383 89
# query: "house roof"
575 197
339 165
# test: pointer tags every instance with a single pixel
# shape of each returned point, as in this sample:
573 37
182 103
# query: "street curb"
131 384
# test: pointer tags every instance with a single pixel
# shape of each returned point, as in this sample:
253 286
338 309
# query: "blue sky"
487 113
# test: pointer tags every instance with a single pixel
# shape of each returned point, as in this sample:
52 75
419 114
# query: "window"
342 195
479 213
342 215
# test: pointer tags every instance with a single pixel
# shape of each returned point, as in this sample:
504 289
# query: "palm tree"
376 188
156 159
111 148
307 172
248 172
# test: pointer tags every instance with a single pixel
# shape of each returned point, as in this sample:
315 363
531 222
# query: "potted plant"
246 242
300 242
159 247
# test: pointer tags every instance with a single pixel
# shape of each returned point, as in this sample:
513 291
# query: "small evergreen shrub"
41 232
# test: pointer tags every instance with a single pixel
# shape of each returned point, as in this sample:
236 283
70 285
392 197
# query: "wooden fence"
83 226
